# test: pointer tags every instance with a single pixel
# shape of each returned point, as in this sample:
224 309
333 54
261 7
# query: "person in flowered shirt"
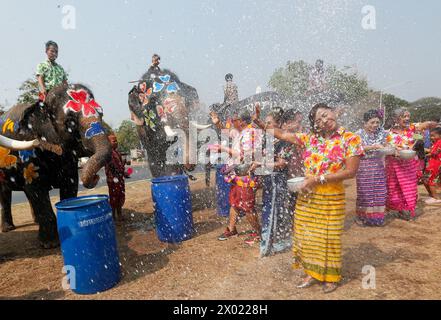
402 181
242 193
331 155
49 73
432 173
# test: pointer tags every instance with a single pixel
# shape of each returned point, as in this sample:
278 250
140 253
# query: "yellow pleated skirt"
318 225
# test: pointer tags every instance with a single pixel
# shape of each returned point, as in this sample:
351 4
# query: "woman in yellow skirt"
331 156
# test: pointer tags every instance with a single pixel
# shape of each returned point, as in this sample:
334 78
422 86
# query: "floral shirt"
53 74
369 139
404 139
324 156
247 141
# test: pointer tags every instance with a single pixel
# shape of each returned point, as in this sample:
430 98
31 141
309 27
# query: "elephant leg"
34 218
6 214
47 232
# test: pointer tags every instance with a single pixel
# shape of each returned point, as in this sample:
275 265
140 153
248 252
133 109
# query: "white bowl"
407 154
294 184
387 151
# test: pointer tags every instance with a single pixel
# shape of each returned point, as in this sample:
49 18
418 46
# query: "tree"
127 136
29 91
294 81
426 109
391 103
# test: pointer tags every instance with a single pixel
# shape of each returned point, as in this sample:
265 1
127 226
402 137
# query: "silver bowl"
294 184
387 151
407 154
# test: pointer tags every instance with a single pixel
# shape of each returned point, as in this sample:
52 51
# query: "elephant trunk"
102 154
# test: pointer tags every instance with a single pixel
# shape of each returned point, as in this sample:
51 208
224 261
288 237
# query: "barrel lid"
166 179
80 202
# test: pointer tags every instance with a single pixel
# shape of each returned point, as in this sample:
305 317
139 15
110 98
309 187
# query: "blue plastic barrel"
88 243
173 212
222 193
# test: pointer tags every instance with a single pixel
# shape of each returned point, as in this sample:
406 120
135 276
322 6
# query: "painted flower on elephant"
95 129
324 156
9 125
30 173
81 101
145 94
26 155
6 159
168 106
150 117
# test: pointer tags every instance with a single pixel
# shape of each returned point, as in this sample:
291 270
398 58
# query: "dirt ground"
406 257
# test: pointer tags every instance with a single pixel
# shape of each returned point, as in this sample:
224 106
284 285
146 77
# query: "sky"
113 41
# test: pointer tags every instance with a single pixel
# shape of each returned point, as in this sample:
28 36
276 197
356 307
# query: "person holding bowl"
331 156
371 175
402 182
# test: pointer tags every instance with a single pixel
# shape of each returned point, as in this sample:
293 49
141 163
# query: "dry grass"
406 256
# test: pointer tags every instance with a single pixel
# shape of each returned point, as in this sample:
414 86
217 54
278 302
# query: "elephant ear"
22 114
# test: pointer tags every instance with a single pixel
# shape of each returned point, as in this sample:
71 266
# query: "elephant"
159 104
39 149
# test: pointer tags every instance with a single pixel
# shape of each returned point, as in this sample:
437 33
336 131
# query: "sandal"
307 283
252 239
329 287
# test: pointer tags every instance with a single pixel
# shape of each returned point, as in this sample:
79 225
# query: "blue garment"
276 218
427 141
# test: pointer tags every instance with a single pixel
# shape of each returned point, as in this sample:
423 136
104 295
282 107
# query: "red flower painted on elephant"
168 106
81 101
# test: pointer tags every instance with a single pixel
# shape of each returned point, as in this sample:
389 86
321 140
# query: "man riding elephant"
67 127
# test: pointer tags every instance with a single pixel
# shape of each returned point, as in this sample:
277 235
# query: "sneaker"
432 201
227 234
252 239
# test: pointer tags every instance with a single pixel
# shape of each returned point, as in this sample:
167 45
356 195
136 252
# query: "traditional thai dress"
319 216
243 188
402 181
115 180
371 180
276 217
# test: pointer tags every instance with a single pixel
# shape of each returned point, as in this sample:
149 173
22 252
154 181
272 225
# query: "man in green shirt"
49 73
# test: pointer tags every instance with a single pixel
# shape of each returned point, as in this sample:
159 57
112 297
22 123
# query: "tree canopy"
127 136
294 80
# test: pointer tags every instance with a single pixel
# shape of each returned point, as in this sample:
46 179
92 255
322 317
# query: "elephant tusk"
17 144
200 126
169 132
